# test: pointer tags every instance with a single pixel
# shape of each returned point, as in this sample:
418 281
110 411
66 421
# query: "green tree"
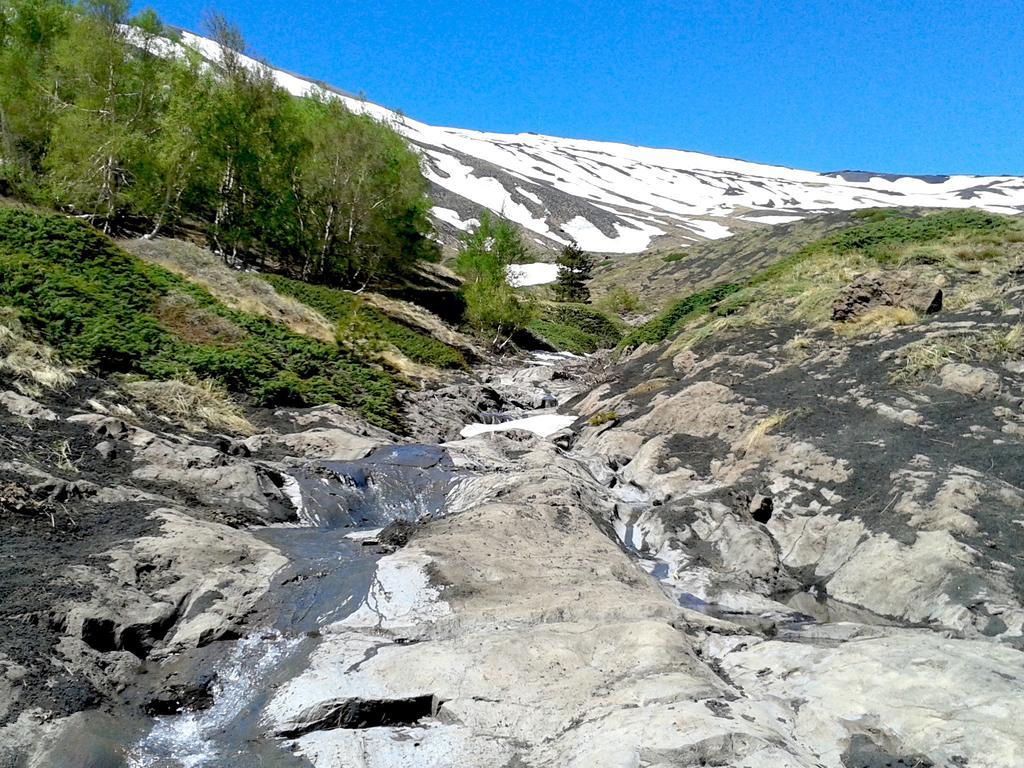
107 95
362 203
248 143
494 309
29 31
181 180
575 268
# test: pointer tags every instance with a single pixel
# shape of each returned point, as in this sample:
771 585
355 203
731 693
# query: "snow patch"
630 238
537 273
452 217
544 425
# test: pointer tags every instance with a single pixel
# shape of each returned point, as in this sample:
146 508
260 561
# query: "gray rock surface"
886 289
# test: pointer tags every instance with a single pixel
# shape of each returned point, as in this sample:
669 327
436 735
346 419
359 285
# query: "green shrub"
356 319
100 307
577 328
602 418
620 301
678 314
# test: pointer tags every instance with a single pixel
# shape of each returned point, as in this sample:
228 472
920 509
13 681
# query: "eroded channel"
349 511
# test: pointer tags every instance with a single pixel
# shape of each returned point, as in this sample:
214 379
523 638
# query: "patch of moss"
602 418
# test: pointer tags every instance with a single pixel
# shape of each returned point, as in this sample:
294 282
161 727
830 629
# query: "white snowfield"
618 198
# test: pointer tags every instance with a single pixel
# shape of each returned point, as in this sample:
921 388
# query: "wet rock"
183 588
193 695
886 289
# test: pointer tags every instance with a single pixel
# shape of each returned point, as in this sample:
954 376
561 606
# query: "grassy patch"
104 309
355 321
917 361
577 328
973 245
202 405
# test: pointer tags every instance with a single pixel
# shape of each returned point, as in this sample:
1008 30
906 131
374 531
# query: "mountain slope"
617 198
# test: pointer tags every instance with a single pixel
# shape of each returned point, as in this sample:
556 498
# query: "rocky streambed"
665 572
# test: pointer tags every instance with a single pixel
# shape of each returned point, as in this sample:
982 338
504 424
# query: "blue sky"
909 87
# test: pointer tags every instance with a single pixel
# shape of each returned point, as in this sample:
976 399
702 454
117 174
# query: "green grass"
678 314
885 232
577 328
100 307
355 319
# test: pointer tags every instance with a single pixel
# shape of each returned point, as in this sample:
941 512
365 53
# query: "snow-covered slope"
617 198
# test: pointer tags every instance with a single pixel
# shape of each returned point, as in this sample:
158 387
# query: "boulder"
969 380
886 289
25 407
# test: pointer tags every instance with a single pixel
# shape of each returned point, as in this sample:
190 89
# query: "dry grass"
917 361
763 427
203 405
798 348
34 366
876 320
61 457
238 290
182 316
649 387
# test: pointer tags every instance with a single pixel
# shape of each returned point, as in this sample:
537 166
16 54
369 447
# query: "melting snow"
537 273
544 425
453 218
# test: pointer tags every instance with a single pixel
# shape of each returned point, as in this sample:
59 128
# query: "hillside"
284 484
616 198
780 528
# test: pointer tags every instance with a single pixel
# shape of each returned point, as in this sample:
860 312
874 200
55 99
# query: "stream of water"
331 570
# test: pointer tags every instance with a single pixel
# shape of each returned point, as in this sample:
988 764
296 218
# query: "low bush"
106 310
678 314
577 328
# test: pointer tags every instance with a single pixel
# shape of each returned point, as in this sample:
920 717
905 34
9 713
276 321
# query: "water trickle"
329 576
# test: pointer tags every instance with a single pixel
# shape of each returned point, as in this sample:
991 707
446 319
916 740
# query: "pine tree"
575 268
